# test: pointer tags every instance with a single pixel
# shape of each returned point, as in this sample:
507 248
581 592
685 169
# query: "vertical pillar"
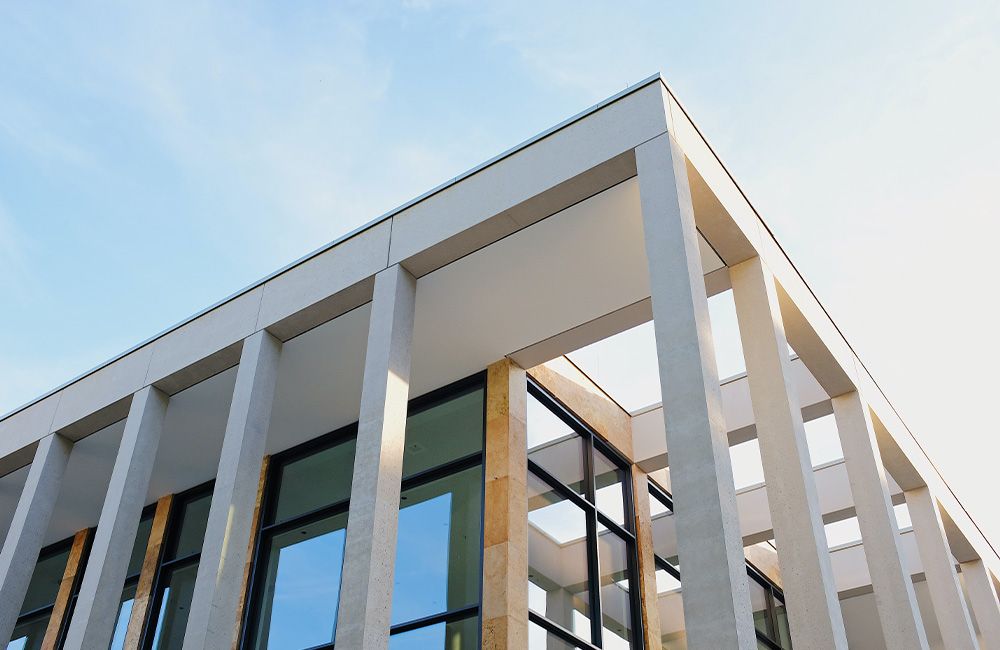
143 601
93 619
61 607
716 594
648 594
372 523
505 520
939 568
27 528
815 619
983 597
897 607
213 622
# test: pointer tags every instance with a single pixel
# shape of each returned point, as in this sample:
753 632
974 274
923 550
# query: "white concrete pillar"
96 609
939 569
814 615
215 604
895 600
983 597
370 549
716 594
28 527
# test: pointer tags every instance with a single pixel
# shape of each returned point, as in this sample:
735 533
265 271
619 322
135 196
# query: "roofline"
348 235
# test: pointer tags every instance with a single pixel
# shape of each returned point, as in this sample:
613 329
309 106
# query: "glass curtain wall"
29 632
132 577
582 566
295 579
766 599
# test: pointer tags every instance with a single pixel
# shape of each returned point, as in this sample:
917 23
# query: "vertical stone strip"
143 600
101 591
213 621
251 550
983 597
895 600
716 593
60 610
373 520
28 527
814 615
648 593
939 568
505 520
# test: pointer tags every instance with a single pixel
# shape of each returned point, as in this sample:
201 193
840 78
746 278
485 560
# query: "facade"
398 441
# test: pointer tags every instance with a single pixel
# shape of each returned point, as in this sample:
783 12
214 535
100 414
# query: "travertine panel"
647 564
60 611
142 602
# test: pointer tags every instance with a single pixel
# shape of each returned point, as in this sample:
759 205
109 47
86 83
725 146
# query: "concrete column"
28 527
897 607
814 615
214 620
983 597
939 569
96 610
645 549
373 519
505 520
716 594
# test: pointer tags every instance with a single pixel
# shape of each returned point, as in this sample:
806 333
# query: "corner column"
505 520
373 519
710 548
895 600
28 527
93 619
214 620
645 549
939 569
814 615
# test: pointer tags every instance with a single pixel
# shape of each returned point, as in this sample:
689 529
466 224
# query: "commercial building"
494 418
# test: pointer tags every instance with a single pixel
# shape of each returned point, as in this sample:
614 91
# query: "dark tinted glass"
121 622
29 634
45 581
314 481
302 585
174 608
438 547
193 519
444 432
139 547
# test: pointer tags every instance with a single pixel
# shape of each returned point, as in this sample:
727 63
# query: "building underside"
577 397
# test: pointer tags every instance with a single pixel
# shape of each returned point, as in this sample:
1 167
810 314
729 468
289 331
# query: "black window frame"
266 531
46 610
773 593
592 441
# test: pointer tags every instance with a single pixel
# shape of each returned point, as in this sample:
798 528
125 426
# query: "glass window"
29 631
124 614
446 431
302 585
608 486
555 447
760 607
541 639
438 547
175 605
616 601
192 516
459 635
314 481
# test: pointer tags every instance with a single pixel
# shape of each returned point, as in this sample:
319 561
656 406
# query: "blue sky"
155 158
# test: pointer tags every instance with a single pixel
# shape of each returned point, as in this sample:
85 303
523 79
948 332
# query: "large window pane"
174 608
664 530
670 607
29 633
444 432
459 635
557 559
759 606
139 547
121 622
555 447
616 606
541 639
302 585
438 546
609 488
194 519
317 480
45 579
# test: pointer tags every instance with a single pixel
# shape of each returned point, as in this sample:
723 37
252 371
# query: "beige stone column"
373 520
710 548
983 597
505 520
902 626
939 568
27 528
814 615
214 618
649 598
